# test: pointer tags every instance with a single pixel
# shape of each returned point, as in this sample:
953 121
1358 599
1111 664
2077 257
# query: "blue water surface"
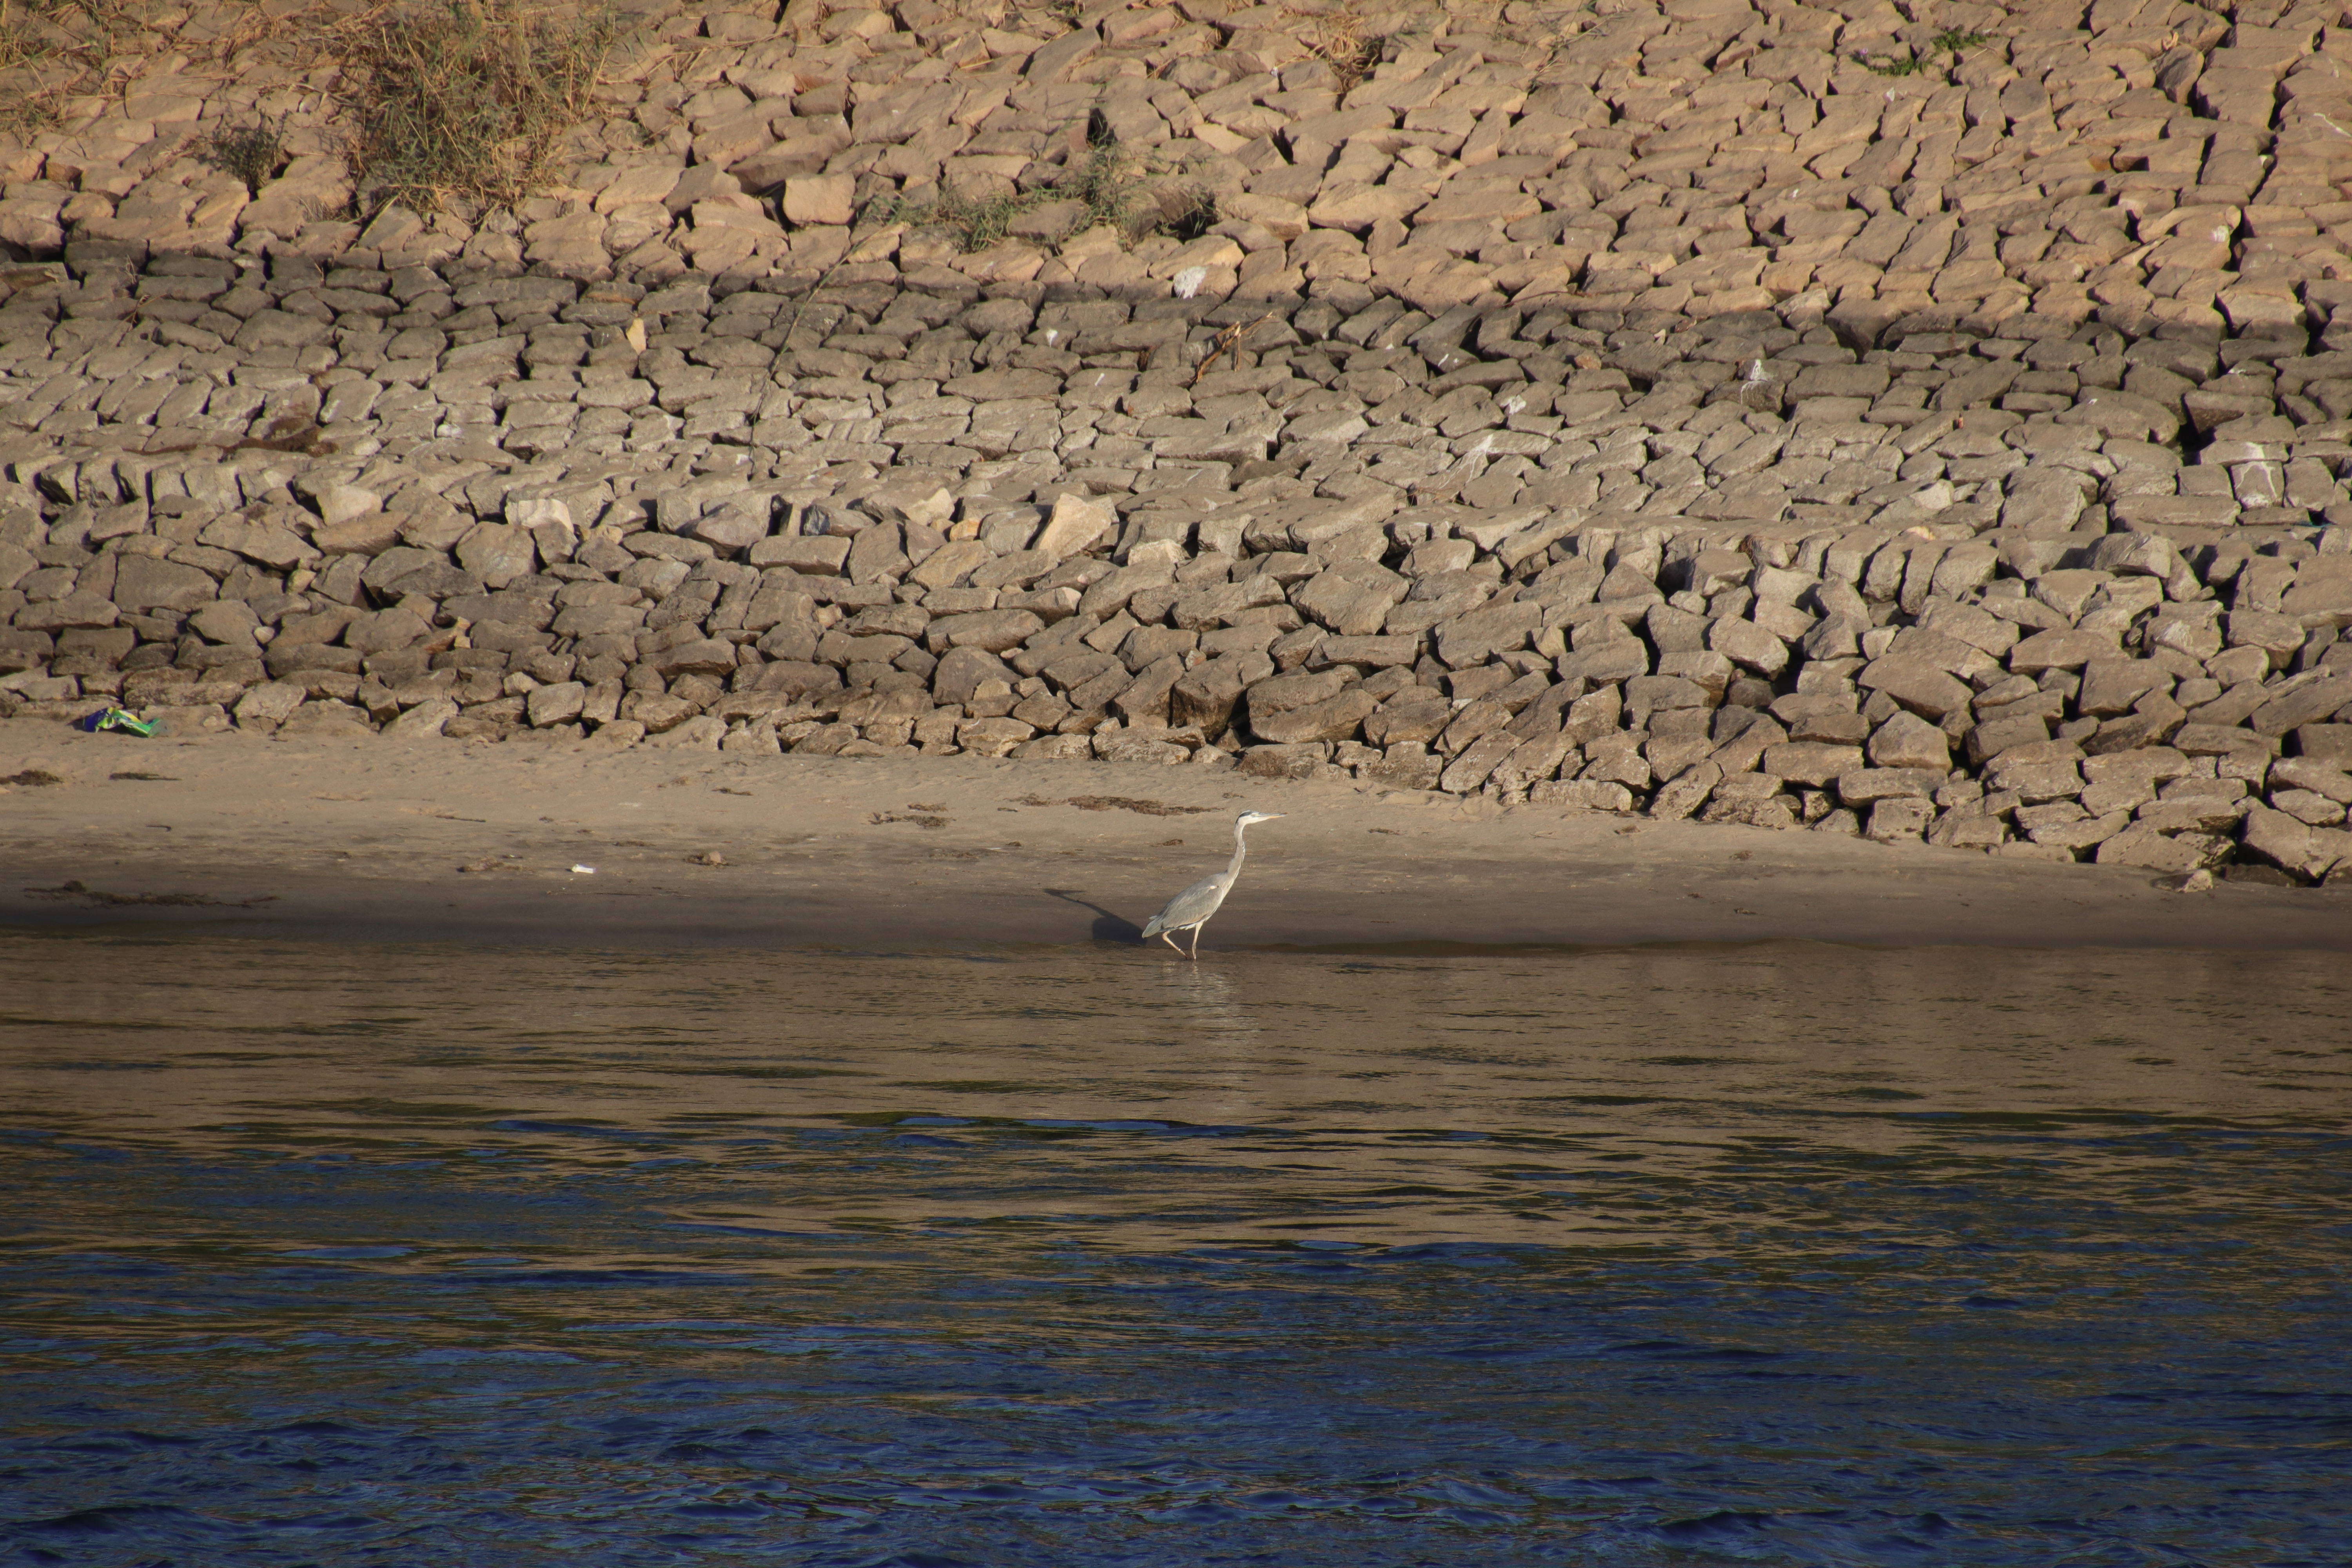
331 1254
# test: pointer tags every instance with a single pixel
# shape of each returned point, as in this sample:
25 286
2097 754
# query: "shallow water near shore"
344 1253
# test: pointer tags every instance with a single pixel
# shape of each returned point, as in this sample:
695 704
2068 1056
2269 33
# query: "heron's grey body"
1191 910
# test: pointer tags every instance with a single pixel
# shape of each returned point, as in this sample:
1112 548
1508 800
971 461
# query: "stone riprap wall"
1636 484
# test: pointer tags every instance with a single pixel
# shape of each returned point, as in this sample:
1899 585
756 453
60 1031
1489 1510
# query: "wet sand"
440 838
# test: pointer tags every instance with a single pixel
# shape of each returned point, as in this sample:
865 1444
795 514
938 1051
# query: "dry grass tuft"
1339 38
254 153
52 51
1188 211
1106 183
21 43
469 100
976 222
49 50
1105 178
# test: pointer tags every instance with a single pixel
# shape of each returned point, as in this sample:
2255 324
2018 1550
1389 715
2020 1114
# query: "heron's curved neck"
1240 848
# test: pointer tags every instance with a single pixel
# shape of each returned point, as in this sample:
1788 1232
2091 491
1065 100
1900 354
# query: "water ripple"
1782 1255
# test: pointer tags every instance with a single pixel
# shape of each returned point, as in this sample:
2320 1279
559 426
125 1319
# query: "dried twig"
856 241
1226 342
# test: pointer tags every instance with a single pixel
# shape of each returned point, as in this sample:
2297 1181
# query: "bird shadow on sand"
1108 927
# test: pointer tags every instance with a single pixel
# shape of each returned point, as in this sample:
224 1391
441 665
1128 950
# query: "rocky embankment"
1687 413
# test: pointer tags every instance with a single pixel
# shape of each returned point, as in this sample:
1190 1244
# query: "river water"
329 1253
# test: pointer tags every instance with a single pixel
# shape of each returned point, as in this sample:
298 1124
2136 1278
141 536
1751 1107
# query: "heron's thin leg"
1195 954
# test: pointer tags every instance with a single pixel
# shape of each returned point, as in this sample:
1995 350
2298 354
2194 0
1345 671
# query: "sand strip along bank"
447 840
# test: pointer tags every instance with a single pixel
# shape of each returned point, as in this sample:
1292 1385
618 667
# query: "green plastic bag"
115 719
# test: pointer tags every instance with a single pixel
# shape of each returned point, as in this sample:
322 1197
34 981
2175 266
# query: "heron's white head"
1247 817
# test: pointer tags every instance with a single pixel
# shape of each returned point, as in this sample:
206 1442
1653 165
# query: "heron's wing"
1194 904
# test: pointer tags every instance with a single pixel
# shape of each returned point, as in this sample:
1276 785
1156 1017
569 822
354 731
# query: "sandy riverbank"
360 837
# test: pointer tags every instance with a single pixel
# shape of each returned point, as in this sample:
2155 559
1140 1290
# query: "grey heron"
1191 910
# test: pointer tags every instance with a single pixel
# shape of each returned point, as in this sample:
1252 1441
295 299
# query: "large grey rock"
370 533
2110 685
959 674
2046 505
340 504
2062 824
2304 701
2141 845
876 554
79 609
1282 762
1352 598
1480 635
2060 650
2278 636
384 630
700 734
1532 761
1299 688
267 543
1916 684
1077 523
1899 820
737 525
1582 795
1366 652
657 711
698 656
607 620
991 737
1812 762
1866 786
2152 721
145 582
496 553
1840 381
1404 767
1906 740
225 621
1991 739
1144 700
1147 745
325 718
1472 723
1612 659
1412 717
1681 796
990 631
1748 645
265 708
2316 775
1017 570
2295 847
818 556
798 678
2035 780
1334 719
951 564
2307 806
1207 692
557 704
423 721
